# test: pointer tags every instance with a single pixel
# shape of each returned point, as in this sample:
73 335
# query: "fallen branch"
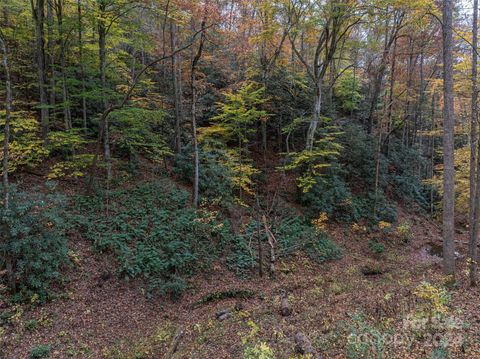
174 344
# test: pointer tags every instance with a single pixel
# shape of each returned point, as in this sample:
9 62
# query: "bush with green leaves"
365 340
347 91
375 246
258 351
405 165
215 179
40 351
34 245
138 131
154 234
346 188
330 194
293 234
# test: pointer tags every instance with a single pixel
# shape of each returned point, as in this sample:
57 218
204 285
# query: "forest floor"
349 308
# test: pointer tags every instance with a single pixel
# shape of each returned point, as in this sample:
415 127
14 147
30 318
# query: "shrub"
215 178
321 249
403 174
140 131
259 351
330 194
434 300
365 340
404 232
34 242
293 234
346 188
26 146
155 236
376 247
40 351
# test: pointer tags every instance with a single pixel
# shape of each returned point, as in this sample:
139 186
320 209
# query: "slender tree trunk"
102 35
432 153
6 143
39 16
421 98
196 159
177 84
316 115
6 130
263 123
474 199
391 94
51 56
448 143
67 117
82 66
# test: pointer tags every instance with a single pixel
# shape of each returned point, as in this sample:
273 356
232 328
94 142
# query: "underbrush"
154 234
292 233
350 189
34 245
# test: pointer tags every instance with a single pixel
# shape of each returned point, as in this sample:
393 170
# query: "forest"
246 179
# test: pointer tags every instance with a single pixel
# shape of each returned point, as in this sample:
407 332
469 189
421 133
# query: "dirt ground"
356 307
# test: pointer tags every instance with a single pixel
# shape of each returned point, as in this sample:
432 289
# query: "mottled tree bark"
38 11
448 143
82 66
196 160
102 35
177 86
474 168
6 139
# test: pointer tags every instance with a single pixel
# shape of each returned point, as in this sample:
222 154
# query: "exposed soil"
101 315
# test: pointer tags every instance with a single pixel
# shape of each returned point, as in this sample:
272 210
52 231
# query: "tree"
195 61
474 165
236 119
448 142
38 12
338 20
6 143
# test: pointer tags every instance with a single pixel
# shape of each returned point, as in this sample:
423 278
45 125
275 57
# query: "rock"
223 314
303 346
239 306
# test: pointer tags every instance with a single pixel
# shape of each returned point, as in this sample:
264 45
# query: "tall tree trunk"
474 169
67 117
6 139
6 130
82 66
177 86
38 10
391 94
448 143
51 56
102 35
432 153
196 160
317 108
